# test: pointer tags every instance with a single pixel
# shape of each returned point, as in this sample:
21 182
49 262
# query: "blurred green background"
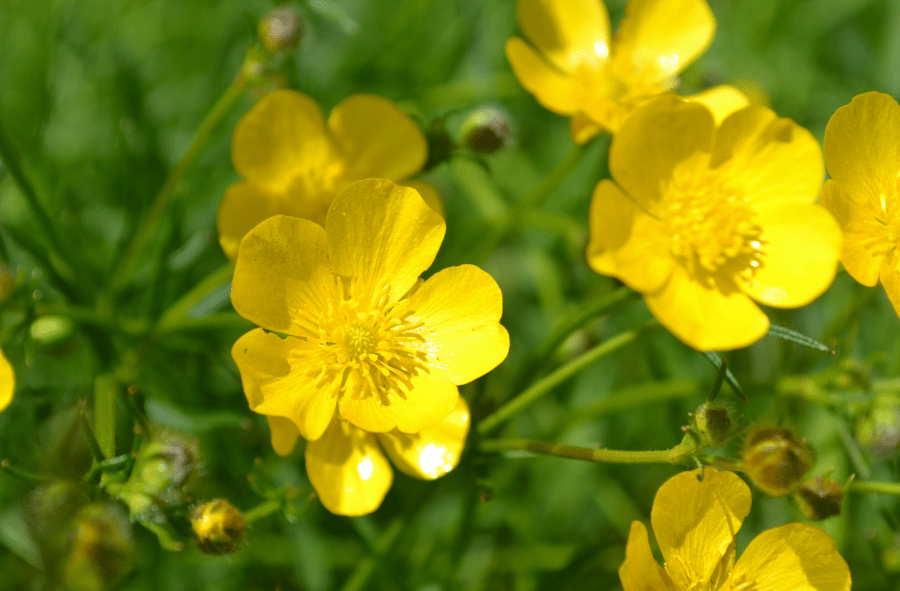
101 99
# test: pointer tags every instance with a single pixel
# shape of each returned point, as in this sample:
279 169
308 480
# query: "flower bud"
715 423
879 430
820 498
776 460
102 549
486 130
48 330
280 30
219 527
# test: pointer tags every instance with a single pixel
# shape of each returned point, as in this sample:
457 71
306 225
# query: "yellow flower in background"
7 382
704 220
347 466
695 523
367 340
862 154
574 68
294 163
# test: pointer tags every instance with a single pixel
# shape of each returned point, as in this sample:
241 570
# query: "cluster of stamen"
365 345
884 228
712 228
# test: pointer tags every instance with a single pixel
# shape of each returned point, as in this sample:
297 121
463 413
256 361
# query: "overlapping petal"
552 88
890 279
705 317
722 100
282 262
569 33
857 219
427 402
284 434
695 521
433 451
462 335
640 571
381 231
7 382
348 469
276 383
658 38
377 139
795 556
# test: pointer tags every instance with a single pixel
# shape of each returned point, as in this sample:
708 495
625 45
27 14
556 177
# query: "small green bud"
486 130
102 548
776 460
879 430
281 30
48 330
820 498
218 526
715 423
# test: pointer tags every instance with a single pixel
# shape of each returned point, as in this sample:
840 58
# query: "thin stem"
178 311
105 389
555 378
534 199
22 474
872 486
364 570
160 204
264 509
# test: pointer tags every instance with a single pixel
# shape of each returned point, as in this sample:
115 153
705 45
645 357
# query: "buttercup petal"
7 382
245 205
640 571
861 148
695 522
428 193
653 140
348 470
382 233
768 157
582 128
659 38
376 138
276 382
890 279
795 272
625 242
463 336
427 402
284 434
553 89
279 264
281 136
722 100
570 33
857 219
793 557
433 451
706 318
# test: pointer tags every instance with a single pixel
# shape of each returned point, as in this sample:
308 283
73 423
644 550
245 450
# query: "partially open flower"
218 526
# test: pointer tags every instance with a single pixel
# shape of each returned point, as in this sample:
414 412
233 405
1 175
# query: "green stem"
537 359
264 509
105 390
534 199
160 204
557 377
177 312
871 486
22 474
364 570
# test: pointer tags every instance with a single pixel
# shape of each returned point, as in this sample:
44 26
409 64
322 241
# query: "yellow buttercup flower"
294 163
704 220
862 153
367 340
695 523
7 382
576 69
347 465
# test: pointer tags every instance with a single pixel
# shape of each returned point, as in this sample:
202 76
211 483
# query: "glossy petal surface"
695 522
552 88
427 402
281 263
348 470
376 138
640 571
722 100
379 231
7 382
569 33
245 205
857 219
794 557
284 434
433 451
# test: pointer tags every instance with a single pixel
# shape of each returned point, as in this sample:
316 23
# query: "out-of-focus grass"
102 99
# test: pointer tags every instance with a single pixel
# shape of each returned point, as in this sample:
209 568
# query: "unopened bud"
280 30
879 430
49 330
219 527
102 551
820 498
486 130
715 423
776 460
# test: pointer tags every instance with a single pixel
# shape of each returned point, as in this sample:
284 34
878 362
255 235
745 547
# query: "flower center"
712 228
884 228
364 344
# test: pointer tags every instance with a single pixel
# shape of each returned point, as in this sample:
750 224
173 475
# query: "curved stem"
555 378
871 486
